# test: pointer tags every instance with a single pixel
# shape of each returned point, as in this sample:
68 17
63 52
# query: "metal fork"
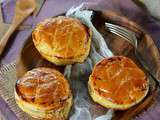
131 38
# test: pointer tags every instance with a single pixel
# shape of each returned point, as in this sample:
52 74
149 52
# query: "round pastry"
62 40
117 83
44 93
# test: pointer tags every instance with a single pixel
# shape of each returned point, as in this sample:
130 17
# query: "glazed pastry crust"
117 83
62 40
44 93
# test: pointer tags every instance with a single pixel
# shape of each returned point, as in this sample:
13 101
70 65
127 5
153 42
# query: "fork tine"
123 32
121 35
129 38
119 27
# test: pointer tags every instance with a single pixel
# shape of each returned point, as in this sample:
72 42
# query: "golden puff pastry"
117 83
44 93
62 40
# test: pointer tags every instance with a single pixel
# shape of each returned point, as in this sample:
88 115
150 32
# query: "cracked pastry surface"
62 40
44 93
117 83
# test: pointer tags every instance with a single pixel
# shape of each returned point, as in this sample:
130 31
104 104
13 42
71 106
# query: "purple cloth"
55 7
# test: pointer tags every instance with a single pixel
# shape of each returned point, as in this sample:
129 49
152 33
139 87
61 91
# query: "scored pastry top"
44 87
119 80
61 37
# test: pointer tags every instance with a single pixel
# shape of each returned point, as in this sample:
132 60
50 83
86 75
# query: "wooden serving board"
29 57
